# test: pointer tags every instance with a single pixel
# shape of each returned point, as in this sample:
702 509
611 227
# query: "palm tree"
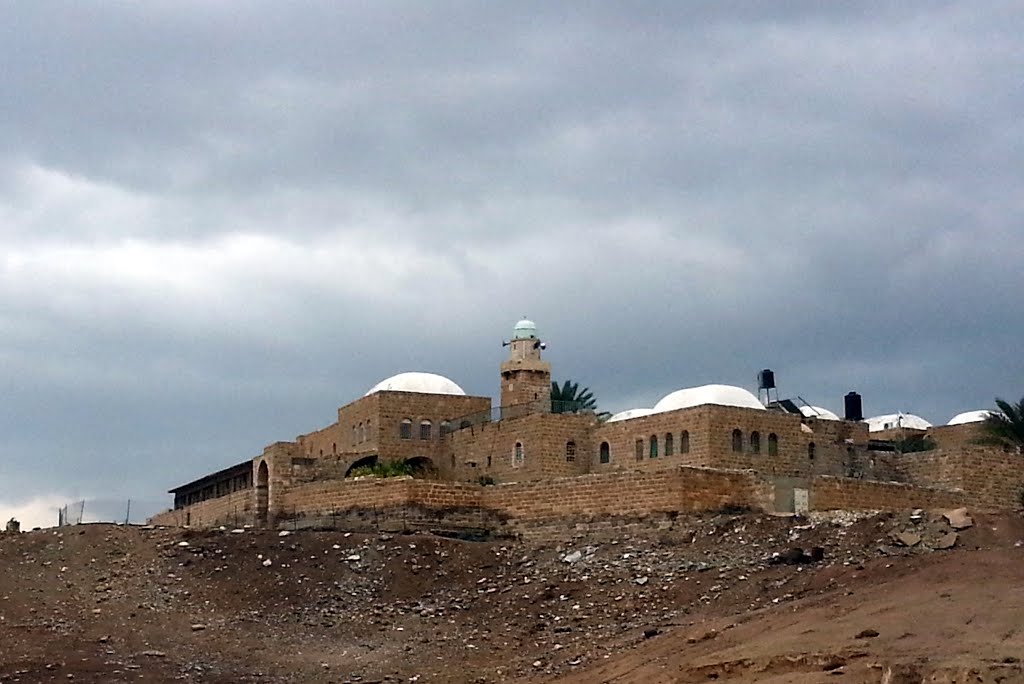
569 398
1006 428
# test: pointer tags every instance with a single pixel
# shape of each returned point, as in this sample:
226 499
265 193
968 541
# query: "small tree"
1005 428
569 398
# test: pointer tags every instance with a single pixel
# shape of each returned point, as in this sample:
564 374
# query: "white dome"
423 383
969 417
818 412
897 420
723 395
630 413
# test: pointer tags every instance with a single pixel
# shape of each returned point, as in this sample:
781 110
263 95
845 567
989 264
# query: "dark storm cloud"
220 221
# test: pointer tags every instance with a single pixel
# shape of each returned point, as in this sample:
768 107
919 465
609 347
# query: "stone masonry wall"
487 450
233 510
837 493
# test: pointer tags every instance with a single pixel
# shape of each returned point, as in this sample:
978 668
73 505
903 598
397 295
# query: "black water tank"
854 410
766 379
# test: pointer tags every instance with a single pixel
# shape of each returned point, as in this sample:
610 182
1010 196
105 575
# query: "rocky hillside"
894 598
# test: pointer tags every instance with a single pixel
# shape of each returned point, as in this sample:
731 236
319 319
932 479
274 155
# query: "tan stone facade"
479 466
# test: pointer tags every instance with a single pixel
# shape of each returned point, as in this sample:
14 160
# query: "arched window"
670 446
362 433
426 427
570 451
737 440
773 444
446 427
606 453
518 456
639 449
405 429
811 449
654 446
684 442
755 442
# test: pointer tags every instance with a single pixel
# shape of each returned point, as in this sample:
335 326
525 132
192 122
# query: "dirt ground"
702 600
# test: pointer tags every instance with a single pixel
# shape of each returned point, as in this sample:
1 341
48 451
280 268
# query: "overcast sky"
219 221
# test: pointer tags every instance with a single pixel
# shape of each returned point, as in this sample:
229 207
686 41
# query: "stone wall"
488 449
838 493
232 510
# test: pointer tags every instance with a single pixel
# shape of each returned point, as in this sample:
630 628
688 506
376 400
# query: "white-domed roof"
969 417
897 420
723 395
424 383
630 413
818 412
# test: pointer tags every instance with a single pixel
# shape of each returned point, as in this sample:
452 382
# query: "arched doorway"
365 462
422 467
262 494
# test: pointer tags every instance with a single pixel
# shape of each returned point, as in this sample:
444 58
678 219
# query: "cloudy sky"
219 221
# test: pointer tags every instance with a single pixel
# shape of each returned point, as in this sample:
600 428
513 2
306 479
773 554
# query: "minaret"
525 377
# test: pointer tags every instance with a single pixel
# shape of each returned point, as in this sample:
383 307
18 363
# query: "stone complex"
529 461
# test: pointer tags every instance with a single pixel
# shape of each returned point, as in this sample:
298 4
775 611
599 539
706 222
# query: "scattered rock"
866 634
198 627
946 541
908 538
959 519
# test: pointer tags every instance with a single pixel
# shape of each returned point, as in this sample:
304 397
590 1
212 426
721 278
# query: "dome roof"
723 395
818 412
897 420
423 383
630 413
969 417
525 330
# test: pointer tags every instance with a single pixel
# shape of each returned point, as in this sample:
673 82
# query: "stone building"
791 457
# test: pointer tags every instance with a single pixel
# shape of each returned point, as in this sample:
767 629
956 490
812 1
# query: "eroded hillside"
700 601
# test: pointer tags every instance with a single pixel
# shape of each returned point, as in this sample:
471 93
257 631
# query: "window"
755 442
639 449
405 429
355 435
570 451
453 460
737 440
518 457
670 446
334 448
488 460
426 427
654 446
606 453
684 442
446 427
369 432
811 450
773 444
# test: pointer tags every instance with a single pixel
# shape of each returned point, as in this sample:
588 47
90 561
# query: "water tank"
766 379
854 409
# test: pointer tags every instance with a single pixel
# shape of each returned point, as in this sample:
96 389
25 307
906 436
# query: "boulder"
959 519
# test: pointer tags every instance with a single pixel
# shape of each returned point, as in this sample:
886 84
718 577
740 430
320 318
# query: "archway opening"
365 462
421 467
262 494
